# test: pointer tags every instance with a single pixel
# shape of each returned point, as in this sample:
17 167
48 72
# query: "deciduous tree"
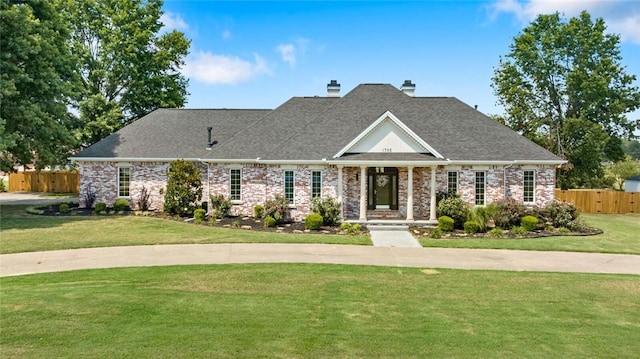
563 86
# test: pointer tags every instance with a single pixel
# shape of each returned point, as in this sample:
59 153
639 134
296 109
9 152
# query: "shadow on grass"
16 217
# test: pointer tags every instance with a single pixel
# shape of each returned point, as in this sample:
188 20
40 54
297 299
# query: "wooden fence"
53 182
601 201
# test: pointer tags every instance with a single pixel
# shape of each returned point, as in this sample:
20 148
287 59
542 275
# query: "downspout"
504 178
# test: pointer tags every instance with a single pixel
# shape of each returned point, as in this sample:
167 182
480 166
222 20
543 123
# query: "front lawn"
620 236
318 311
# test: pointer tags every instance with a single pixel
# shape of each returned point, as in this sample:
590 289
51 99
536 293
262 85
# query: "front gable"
388 135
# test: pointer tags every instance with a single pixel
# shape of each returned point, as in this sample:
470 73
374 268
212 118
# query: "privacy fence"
601 201
53 182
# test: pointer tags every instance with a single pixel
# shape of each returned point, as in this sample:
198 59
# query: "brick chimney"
333 89
408 88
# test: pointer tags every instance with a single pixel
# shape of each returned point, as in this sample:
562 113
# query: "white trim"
284 185
389 163
127 166
230 184
457 181
311 183
533 201
397 122
475 188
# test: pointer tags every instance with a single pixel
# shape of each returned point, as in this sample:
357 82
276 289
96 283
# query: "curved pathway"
161 255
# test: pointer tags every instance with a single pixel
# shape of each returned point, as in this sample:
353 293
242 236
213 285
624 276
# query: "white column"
339 191
432 210
410 194
363 193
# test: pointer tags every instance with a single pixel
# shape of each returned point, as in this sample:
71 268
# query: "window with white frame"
316 184
452 182
124 181
288 186
235 185
529 186
481 186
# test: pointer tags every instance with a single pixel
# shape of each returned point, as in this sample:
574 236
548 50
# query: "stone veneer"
261 182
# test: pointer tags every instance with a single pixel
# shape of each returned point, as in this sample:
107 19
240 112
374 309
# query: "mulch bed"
459 234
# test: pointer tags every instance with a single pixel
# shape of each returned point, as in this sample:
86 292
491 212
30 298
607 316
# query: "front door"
382 188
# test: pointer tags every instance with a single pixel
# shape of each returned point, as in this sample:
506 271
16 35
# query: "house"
379 150
632 184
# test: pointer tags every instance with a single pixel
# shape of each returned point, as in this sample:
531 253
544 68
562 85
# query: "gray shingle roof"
315 128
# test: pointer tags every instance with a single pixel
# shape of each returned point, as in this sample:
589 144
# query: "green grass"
318 311
22 232
621 235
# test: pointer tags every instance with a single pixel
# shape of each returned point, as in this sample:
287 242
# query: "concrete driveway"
32 198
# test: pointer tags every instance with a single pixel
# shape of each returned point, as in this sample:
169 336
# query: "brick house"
379 150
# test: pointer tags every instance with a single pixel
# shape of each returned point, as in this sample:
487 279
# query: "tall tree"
36 81
563 86
128 68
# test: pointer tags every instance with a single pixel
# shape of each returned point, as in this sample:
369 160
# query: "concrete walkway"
392 236
162 255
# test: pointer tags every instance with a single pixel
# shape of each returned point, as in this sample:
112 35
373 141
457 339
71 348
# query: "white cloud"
290 52
223 69
621 16
173 21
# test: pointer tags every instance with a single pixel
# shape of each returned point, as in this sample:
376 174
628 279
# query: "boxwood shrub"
313 221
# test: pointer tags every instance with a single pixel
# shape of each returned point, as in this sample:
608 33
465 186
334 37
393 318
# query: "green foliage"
37 80
446 223
313 221
631 148
3 187
220 205
563 86
34 210
519 231
277 208
530 223
128 66
564 230
455 208
350 228
101 207
483 215
64 208
270 221
496 233
328 208
624 169
258 211
120 205
471 227
199 215
184 188
508 213
444 195
560 214
435 233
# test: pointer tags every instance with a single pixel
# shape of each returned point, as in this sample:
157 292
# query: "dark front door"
382 188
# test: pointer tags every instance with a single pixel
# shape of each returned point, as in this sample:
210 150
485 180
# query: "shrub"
313 221
455 208
496 233
120 205
355 228
560 214
269 221
277 208
235 224
184 188
445 223
101 207
328 208
143 199
89 197
519 231
350 228
435 233
482 216
34 210
508 213
471 227
529 223
345 226
564 230
64 208
3 186
199 215
258 211
220 205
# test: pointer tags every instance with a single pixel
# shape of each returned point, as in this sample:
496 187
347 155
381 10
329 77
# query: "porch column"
410 194
363 193
339 191
432 210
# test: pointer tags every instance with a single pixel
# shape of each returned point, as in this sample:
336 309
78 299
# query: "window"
288 186
452 182
529 186
480 188
124 179
316 184
235 185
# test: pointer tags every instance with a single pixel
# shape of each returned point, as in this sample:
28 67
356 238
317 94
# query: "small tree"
623 170
184 188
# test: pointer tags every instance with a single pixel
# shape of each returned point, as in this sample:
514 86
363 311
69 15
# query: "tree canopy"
563 86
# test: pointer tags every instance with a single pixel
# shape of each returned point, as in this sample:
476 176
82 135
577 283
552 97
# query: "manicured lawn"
621 235
318 311
22 232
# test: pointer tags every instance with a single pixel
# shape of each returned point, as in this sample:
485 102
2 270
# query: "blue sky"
260 54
